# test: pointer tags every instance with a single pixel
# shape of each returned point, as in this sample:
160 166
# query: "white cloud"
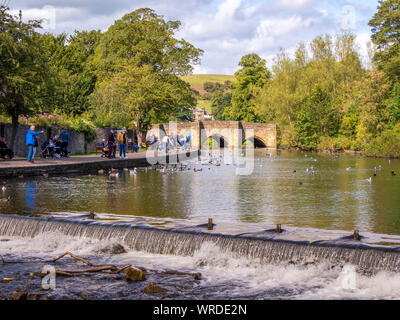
225 29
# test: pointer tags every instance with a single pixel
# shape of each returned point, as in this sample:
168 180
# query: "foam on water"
224 274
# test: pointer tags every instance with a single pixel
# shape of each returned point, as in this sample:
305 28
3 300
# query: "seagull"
348 169
133 172
369 180
307 170
4 187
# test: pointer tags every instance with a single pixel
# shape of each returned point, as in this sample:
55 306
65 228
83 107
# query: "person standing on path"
111 144
30 141
123 142
64 136
165 143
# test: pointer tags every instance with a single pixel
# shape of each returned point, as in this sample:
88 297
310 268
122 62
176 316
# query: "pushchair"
57 149
104 152
45 148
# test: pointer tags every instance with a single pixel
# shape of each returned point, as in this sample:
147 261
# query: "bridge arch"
216 140
256 141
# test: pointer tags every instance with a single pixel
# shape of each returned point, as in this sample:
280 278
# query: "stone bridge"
229 134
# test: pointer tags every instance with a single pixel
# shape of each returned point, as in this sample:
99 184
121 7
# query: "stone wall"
76 145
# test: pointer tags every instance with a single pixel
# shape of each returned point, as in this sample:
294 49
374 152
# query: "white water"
223 274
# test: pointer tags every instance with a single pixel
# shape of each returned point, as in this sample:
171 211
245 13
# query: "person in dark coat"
5 152
112 142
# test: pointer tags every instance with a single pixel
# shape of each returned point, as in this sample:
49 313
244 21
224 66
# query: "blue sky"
225 29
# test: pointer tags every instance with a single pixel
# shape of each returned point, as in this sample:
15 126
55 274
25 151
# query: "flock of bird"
194 166
369 180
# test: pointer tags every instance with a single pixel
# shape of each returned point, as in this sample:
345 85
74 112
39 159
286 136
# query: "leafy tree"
22 67
144 38
374 91
139 60
253 74
317 118
71 78
219 102
211 87
393 105
139 97
386 36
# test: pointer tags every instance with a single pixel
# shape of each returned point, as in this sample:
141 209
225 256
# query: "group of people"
169 142
121 140
57 146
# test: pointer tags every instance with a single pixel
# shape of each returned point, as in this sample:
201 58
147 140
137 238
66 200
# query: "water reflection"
332 198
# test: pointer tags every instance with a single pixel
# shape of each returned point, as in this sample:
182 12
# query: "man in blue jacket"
64 136
30 141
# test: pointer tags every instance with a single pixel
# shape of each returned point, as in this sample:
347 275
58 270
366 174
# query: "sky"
225 29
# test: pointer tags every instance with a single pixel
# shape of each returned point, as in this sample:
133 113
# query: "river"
318 194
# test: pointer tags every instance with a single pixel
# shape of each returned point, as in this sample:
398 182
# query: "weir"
186 243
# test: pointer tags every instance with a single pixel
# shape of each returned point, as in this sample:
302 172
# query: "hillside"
197 80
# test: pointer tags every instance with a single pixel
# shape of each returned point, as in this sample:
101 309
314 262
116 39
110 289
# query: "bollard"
210 224
279 228
356 235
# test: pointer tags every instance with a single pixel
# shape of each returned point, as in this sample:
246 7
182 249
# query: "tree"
219 102
317 118
253 74
393 105
144 38
22 67
139 97
139 60
374 91
386 36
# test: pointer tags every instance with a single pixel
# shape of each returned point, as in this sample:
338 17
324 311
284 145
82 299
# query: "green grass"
205 104
197 80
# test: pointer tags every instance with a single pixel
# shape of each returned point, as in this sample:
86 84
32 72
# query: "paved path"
78 165
71 160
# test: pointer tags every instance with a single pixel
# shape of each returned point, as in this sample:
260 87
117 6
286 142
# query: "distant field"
205 104
197 80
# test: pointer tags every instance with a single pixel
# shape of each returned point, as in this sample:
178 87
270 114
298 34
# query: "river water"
318 193
332 198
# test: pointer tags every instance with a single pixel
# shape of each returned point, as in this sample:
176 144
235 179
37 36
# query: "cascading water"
186 243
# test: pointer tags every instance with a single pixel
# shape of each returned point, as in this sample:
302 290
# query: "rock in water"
115 248
152 288
133 274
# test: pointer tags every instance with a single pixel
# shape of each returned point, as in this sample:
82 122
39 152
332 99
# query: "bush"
86 127
387 144
80 124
